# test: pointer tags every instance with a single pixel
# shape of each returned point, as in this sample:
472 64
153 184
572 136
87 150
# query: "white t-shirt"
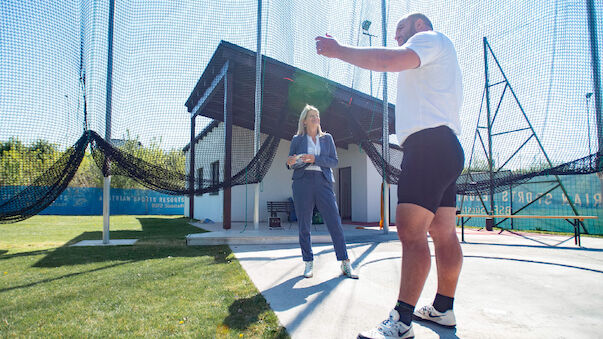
431 94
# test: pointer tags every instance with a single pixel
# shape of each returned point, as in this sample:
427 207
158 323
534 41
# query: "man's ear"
420 25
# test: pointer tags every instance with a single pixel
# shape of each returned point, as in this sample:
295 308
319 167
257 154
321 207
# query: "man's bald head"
410 25
414 17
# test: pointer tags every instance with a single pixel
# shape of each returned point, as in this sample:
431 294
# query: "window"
215 175
200 178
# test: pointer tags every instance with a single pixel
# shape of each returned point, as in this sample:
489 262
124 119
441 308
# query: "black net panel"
116 161
374 149
20 202
476 183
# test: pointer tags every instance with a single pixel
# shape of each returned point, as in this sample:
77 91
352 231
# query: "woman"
312 155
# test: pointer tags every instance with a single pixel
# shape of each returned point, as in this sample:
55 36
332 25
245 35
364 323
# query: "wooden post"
228 97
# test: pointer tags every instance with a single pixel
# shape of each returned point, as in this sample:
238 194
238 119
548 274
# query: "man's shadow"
287 296
442 332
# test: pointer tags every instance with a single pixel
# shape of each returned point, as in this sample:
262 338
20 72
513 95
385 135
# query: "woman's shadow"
284 296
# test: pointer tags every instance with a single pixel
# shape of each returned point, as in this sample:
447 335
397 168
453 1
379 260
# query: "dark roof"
286 90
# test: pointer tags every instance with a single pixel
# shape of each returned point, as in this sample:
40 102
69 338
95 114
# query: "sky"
162 47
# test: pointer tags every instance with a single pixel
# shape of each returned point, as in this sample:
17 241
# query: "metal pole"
371 72
588 95
258 113
385 143
490 158
107 179
595 61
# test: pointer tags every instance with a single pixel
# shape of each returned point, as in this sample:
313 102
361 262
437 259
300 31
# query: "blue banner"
541 197
89 201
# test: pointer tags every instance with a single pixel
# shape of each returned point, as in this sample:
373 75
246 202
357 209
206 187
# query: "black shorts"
433 160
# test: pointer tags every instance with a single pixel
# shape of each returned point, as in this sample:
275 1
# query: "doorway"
345 193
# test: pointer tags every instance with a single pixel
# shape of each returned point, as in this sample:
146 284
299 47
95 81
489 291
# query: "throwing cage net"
98 87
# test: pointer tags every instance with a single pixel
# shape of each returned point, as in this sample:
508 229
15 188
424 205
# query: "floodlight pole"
107 164
258 113
371 36
587 97
595 61
594 50
385 141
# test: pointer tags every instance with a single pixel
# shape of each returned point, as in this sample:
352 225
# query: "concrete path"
511 286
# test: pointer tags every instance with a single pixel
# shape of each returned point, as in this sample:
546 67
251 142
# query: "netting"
73 78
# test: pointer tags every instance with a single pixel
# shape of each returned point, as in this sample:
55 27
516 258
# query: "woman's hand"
291 160
308 158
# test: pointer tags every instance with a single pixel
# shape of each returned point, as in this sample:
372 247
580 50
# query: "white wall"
208 150
206 207
373 184
366 186
275 187
209 206
353 157
374 181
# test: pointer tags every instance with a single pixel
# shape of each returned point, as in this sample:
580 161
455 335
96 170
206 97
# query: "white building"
357 184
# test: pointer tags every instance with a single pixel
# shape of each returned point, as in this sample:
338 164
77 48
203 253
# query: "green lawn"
159 287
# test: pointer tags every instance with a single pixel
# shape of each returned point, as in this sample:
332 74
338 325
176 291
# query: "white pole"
107 180
106 205
385 143
258 110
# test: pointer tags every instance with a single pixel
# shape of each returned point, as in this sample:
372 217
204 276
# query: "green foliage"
478 165
173 160
88 175
21 164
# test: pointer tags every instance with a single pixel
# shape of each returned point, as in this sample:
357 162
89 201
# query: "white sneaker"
391 328
308 269
346 269
429 313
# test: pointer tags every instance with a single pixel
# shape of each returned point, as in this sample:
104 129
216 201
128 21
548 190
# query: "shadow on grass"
61 277
153 229
246 311
22 254
159 238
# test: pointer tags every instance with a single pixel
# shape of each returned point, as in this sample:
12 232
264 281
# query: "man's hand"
327 46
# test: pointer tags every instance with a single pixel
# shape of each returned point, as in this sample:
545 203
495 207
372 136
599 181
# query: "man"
427 119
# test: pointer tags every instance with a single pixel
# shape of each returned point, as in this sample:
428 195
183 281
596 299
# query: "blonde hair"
301 128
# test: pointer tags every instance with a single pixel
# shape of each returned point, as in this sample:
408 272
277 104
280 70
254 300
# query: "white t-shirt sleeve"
427 45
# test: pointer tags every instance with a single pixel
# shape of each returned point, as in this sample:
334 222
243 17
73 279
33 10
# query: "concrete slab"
511 286
239 234
112 242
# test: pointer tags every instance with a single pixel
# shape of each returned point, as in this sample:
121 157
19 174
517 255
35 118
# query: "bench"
275 207
575 220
